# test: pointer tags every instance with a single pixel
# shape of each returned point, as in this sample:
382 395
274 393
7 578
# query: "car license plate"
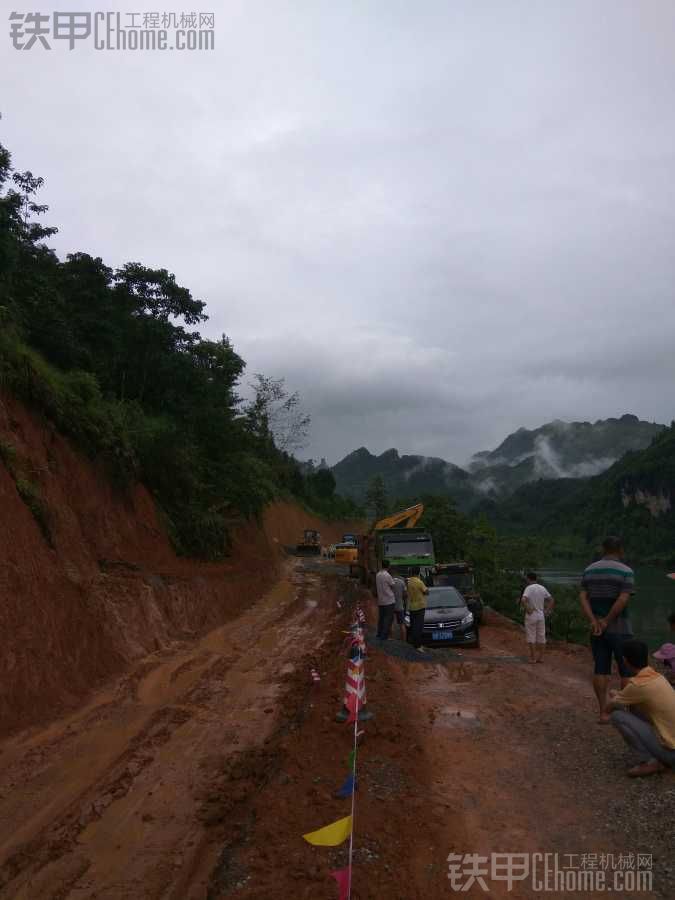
441 635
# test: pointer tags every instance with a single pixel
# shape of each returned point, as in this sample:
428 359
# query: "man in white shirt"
537 603
386 601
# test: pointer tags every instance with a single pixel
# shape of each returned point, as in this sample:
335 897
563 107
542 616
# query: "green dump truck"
405 548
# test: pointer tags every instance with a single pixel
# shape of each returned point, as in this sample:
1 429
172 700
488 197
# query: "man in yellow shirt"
644 712
417 604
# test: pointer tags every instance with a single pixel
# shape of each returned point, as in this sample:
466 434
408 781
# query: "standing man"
537 604
417 604
384 584
606 587
644 712
399 604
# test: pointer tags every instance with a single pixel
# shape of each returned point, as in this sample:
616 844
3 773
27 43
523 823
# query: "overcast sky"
439 221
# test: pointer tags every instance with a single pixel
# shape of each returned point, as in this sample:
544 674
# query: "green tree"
276 416
449 528
376 497
112 358
29 230
322 483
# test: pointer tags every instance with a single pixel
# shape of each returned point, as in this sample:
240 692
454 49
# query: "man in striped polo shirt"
606 587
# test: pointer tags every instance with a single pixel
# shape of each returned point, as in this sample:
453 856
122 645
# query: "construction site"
169 727
337 451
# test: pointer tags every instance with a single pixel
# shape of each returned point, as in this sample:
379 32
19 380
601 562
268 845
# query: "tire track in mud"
130 821
61 835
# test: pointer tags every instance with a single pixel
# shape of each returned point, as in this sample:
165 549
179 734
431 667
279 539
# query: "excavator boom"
407 518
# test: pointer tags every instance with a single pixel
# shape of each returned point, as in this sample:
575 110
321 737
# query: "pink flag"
342 878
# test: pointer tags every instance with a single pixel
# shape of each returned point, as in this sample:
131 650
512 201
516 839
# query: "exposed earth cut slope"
89 582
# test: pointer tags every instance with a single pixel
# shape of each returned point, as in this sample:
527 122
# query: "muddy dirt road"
113 802
195 776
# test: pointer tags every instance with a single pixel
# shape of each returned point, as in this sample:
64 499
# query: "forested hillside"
403 476
559 450
634 498
114 358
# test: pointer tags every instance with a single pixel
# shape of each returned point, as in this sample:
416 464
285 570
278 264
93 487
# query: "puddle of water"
451 716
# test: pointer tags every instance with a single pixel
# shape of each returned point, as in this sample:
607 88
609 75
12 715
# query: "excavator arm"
407 518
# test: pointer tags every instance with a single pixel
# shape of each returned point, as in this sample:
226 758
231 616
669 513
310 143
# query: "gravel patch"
636 814
402 650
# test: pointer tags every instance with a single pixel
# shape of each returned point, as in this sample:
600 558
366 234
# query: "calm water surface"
649 610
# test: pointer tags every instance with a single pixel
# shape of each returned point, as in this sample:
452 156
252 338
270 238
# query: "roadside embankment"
89 581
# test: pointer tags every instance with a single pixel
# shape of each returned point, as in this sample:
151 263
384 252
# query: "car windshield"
444 596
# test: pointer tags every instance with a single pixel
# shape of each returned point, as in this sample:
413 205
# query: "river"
649 610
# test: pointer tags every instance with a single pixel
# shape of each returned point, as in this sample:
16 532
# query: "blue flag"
348 787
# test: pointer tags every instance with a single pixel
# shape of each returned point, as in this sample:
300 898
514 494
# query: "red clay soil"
110 589
477 755
188 749
195 775
116 800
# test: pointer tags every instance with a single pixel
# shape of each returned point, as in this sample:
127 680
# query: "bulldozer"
310 543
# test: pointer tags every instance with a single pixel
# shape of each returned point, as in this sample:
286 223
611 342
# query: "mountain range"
635 498
403 476
557 450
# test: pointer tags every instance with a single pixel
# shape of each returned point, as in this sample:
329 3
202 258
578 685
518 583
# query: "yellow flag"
330 835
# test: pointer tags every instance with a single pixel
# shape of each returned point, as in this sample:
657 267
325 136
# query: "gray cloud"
438 221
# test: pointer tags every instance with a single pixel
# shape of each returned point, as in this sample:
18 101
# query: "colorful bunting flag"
358 643
330 835
354 700
348 787
355 688
343 878
351 703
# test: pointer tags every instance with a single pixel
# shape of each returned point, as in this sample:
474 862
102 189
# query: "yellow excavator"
406 518
394 538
